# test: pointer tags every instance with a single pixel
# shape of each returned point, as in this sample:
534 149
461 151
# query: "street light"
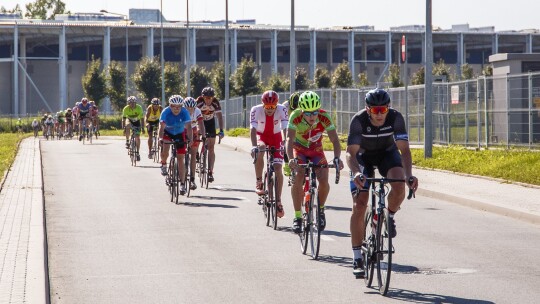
162 58
127 46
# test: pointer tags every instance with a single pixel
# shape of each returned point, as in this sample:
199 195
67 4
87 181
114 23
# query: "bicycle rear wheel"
187 176
314 229
155 149
266 200
367 250
274 203
384 253
205 161
133 152
271 202
304 235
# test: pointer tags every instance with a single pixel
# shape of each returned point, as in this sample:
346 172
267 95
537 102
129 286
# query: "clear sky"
383 14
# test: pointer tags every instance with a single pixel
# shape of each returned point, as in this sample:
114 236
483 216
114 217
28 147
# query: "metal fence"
488 111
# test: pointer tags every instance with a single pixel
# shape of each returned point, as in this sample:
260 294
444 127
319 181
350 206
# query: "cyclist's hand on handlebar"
254 151
293 163
221 134
338 163
359 179
412 183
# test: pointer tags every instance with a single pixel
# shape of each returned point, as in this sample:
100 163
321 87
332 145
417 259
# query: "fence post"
466 113
530 111
507 112
486 116
478 124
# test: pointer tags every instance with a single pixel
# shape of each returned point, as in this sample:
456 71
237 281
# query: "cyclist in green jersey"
132 115
291 105
304 142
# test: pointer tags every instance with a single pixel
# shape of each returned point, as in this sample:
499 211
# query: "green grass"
8 149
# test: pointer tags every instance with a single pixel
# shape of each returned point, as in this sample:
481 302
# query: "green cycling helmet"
309 101
293 101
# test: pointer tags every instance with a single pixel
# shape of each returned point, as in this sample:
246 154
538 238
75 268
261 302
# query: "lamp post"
127 46
188 53
162 59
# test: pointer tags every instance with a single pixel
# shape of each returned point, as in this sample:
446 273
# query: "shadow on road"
188 204
221 188
336 260
218 198
336 233
337 208
413 296
149 167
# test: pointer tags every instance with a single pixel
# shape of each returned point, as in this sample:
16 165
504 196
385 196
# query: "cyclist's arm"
355 168
219 116
202 130
334 138
291 137
161 130
406 158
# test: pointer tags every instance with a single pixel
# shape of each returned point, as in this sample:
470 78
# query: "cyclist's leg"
127 129
391 167
193 152
259 167
150 129
297 189
210 127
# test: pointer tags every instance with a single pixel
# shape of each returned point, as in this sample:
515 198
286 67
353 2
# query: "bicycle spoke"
384 249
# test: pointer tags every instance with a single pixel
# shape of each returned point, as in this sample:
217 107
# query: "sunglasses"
314 113
175 107
378 109
270 107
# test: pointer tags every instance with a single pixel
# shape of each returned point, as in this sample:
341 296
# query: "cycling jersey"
133 114
83 109
153 116
259 120
208 111
174 124
196 117
372 139
94 111
310 135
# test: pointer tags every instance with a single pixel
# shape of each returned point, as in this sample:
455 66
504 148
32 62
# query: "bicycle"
311 212
87 132
377 248
270 187
156 146
202 165
172 180
133 151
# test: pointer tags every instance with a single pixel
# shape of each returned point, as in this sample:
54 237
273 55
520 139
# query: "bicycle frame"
269 200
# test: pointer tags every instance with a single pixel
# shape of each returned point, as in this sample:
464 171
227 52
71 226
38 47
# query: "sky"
382 14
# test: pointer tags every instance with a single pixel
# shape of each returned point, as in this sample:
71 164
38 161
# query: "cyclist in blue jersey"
175 125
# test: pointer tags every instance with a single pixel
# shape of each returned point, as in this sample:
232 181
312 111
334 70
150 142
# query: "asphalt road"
114 237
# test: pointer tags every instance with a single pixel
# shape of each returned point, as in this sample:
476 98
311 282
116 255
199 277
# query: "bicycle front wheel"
314 229
187 176
367 250
274 202
384 253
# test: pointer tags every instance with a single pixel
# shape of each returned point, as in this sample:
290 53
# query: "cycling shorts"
210 126
179 139
273 141
383 161
315 153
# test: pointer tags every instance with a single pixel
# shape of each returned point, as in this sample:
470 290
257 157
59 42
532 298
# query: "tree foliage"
441 69
173 81
116 85
278 83
394 76
467 71
94 82
15 10
218 79
147 78
301 79
342 77
419 77
246 80
363 80
322 78
45 9
488 70
200 78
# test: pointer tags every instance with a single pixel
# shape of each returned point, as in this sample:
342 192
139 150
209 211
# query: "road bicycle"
311 211
202 165
156 145
172 180
377 248
270 187
87 131
133 151
48 132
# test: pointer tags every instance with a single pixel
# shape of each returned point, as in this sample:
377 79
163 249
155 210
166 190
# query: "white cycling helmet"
176 100
132 99
189 102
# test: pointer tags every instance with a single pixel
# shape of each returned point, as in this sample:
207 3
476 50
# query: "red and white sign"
403 49
454 92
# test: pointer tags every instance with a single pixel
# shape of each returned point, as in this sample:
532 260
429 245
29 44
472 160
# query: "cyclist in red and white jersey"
268 121
197 126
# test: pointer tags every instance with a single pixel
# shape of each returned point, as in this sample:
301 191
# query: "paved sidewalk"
22 241
493 195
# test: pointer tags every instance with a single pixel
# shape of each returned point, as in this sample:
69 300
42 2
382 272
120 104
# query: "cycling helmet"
68 109
270 98
208 91
132 99
189 102
155 101
293 101
309 101
176 100
84 99
377 97
50 116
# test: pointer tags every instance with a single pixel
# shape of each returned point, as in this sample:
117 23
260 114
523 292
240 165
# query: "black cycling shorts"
210 127
384 161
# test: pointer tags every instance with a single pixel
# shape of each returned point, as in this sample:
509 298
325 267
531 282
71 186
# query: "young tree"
419 76
173 81
218 80
147 78
94 82
488 70
363 80
467 71
278 83
441 69
116 85
394 76
322 78
45 9
342 77
301 79
200 78
246 80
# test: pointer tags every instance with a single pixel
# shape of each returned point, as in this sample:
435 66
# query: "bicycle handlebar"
271 149
312 165
384 180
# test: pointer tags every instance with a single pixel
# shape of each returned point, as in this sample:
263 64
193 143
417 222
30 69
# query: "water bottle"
374 225
307 197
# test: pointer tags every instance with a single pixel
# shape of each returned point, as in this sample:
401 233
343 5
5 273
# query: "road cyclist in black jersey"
377 139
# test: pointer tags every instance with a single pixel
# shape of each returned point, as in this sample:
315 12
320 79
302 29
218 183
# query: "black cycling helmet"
293 101
208 91
377 97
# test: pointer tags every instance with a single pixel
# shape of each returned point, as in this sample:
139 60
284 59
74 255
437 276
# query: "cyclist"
304 142
42 122
75 111
83 111
210 109
69 122
268 120
49 124
291 105
35 127
61 123
197 127
175 125
18 124
132 116
153 112
377 137
94 115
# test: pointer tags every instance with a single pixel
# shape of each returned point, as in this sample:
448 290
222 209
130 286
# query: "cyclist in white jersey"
197 126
